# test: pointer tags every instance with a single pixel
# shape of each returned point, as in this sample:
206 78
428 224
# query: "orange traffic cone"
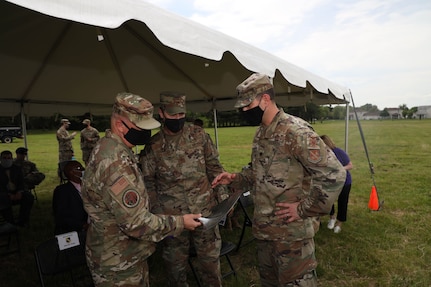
373 204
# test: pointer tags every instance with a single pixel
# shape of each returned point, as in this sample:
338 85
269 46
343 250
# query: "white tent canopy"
74 56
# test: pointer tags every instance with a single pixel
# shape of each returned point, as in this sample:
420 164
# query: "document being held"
219 212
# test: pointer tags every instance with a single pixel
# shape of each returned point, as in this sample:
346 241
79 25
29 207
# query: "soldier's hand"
289 211
191 221
74 134
223 178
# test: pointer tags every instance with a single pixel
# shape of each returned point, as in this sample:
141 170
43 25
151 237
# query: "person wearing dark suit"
67 205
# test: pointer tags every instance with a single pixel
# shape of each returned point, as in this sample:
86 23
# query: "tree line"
310 112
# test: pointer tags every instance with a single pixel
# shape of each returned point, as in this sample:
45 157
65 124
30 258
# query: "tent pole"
24 125
215 126
346 131
370 164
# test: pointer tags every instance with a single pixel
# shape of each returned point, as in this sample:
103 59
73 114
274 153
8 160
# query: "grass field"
390 247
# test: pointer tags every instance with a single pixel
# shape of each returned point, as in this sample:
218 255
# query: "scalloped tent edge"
73 56
175 34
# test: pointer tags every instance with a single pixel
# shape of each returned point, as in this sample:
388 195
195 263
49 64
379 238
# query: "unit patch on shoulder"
314 155
131 198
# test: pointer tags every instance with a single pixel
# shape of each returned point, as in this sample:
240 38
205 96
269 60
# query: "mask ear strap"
125 124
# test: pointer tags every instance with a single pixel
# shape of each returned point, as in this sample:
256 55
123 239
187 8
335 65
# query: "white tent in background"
74 56
79 57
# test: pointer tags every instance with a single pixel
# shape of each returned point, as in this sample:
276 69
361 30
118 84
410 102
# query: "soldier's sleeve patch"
119 185
314 155
131 198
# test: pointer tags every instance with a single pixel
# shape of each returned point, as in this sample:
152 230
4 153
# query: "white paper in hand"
220 211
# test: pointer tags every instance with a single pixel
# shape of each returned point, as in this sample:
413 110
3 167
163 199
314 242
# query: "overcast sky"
379 49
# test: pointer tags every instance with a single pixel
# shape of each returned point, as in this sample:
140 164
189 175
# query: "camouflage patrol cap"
65 121
251 87
137 109
173 102
86 122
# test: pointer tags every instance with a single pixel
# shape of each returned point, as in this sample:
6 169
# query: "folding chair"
7 245
60 171
246 203
8 232
61 257
226 248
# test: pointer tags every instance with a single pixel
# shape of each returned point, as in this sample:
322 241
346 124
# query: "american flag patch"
119 185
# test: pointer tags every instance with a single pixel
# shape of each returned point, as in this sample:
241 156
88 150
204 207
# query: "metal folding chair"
246 203
226 248
56 261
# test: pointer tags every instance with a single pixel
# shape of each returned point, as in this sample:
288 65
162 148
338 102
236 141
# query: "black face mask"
175 125
6 163
76 175
137 137
253 116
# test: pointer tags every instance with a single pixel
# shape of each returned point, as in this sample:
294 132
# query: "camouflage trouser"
86 155
109 276
176 252
287 263
65 155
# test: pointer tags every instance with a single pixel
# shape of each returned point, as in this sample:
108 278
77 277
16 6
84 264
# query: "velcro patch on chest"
119 185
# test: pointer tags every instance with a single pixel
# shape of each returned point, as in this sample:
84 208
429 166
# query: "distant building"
359 113
364 115
395 113
423 112
372 116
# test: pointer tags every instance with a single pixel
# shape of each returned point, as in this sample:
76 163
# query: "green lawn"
390 247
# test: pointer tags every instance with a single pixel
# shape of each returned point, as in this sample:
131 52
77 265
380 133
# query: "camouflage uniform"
122 230
290 163
89 138
180 168
11 185
32 176
65 149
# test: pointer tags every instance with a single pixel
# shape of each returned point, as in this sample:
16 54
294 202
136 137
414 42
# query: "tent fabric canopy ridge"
144 50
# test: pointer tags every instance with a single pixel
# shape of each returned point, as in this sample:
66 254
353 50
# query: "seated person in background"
32 176
198 122
67 206
12 191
